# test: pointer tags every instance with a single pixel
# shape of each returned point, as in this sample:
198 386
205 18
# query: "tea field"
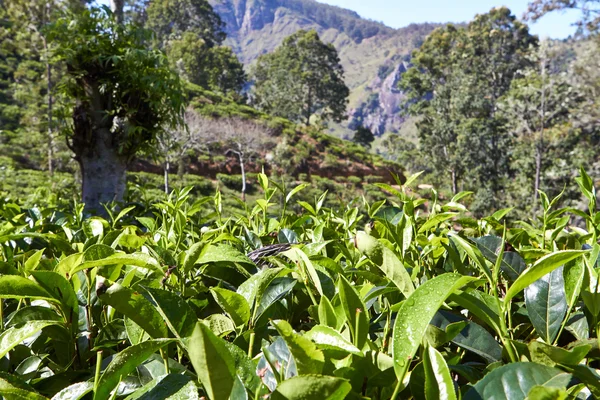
291 299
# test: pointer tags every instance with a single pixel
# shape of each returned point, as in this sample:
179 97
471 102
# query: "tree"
170 19
176 141
458 77
192 34
40 95
121 92
10 57
432 87
536 103
242 138
301 78
590 11
213 68
363 136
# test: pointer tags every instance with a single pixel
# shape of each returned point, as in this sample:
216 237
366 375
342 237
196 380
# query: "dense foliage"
399 299
501 113
121 94
301 78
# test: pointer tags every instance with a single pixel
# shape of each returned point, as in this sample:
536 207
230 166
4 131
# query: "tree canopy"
122 94
301 78
458 77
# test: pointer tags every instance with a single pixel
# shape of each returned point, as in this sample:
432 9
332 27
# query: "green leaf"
415 314
294 191
297 255
233 304
436 220
513 265
18 333
438 382
12 388
386 261
511 382
135 333
168 387
286 235
312 387
574 274
472 337
17 287
177 314
481 305
551 355
546 304
475 255
309 359
277 290
61 289
223 253
543 266
33 261
212 362
33 313
193 254
124 363
254 287
123 213
141 260
135 307
356 312
327 314
547 393
98 252
328 338
75 391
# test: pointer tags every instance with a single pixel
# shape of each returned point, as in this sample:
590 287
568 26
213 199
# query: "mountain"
373 55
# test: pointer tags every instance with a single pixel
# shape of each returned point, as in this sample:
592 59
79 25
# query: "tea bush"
403 298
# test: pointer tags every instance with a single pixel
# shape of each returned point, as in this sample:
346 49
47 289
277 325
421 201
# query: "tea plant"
399 299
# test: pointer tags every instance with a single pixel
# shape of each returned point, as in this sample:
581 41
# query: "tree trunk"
166 169
454 182
50 137
116 7
180 169
103 174
243 177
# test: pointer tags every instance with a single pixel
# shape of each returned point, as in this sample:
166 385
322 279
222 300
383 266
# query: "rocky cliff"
373 55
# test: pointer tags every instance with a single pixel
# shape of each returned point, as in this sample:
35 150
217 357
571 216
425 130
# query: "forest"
175 224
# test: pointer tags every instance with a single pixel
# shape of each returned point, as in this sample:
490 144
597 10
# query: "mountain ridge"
373 55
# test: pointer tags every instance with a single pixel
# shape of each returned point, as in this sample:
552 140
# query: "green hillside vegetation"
303 155
369 51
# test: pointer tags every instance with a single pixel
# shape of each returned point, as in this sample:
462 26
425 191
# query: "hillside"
373 55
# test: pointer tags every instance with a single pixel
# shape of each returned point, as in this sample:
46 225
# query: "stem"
311 295
1 314
358 311
396 391
505 336
165 358
88 308
251 344
98 368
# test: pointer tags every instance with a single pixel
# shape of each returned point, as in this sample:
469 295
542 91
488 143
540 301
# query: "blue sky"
399 13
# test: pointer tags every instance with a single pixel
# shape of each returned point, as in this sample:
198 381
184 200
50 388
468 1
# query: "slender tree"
537 102
301 78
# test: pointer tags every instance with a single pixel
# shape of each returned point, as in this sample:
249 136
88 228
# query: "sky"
399 13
